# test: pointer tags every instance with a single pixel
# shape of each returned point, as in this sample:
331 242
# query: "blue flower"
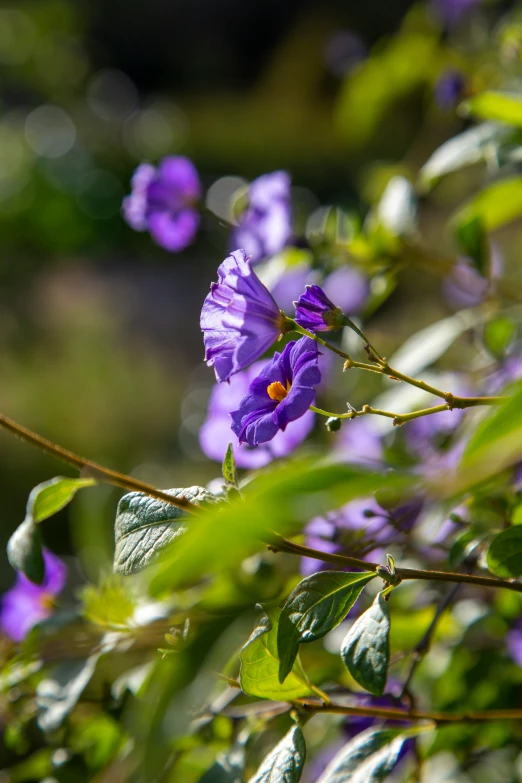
281 393
162 202
239 319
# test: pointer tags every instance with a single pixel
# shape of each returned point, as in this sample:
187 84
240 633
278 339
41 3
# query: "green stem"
93 468
401 418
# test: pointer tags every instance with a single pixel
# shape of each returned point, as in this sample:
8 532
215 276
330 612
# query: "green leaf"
495 206
24 551
472 146
285 763
463 546
500 106
366 648
259 675
229 468
495 445
51 496
367 758
316 606
145 525
281 498
473 241
498 336
505 553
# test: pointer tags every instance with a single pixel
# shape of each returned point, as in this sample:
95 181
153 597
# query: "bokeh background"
99 327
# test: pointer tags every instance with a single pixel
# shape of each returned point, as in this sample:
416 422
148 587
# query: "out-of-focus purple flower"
216 432
348 287
162 202
27 604
514 642
265 227
359 442
280 394
358 528
450 12
465 286
314 311
239 319
449 89
343 51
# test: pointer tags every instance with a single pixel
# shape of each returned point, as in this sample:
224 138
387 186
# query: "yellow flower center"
276 391
47 601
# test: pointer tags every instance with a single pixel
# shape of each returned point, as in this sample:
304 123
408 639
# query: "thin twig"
278 543
93 468
397 713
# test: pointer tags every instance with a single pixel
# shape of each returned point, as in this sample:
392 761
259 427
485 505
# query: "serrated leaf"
259 675
285 763
145 525
505 553
51 496
367 758
316 606
465 149
499 106
229 468
24 551
366 648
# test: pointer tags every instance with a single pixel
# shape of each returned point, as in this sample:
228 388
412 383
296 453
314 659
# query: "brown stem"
93 468
396 713
281 544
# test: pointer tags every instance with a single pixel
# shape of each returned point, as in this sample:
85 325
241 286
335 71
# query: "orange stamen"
276 391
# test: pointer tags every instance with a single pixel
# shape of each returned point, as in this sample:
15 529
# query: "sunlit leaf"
259 674
316 606
229 467
505 553
24 551
51 496
495 206
285 763
397 209
145 525
500 106
366 648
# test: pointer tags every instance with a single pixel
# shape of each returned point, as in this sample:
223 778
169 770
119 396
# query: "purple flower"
162 201
27 604
448 89
359 528
265 227
216 432
280 394
289 284
360 442
239 319
316 312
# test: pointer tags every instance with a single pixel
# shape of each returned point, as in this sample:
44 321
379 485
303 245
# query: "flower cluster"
240 320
